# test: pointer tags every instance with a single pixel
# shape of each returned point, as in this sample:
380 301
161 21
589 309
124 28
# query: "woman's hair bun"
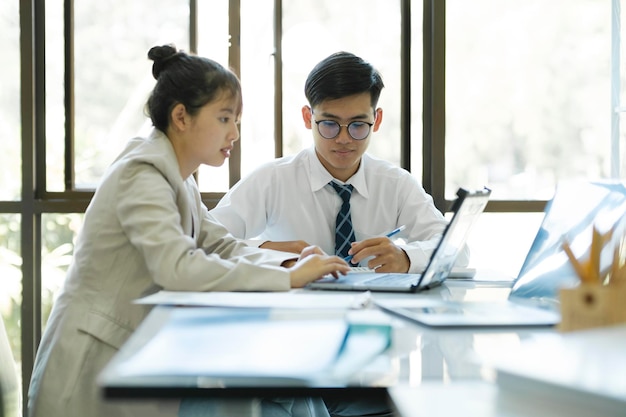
161 55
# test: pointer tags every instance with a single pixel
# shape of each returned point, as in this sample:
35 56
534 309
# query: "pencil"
580 270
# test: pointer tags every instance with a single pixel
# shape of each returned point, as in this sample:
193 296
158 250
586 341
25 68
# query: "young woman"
147 229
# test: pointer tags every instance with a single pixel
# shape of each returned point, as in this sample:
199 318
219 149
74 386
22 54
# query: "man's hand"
387 257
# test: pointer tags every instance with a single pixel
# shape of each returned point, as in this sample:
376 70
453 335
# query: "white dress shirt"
289 199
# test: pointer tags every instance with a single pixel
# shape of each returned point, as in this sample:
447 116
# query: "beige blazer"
146 229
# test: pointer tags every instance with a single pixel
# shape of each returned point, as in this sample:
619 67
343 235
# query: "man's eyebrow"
334 116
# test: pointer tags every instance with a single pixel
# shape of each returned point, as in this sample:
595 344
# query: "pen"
392 233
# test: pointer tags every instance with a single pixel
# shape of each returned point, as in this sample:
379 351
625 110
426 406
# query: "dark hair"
342 74
188 79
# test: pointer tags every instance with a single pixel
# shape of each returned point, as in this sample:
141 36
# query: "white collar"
320 177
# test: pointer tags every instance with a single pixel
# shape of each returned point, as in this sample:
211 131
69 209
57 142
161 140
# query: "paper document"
235 347
259 299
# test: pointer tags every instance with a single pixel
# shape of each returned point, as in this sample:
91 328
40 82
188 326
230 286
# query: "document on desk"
243 347
586 368
260 299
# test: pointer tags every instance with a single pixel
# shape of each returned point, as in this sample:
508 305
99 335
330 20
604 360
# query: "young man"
292 202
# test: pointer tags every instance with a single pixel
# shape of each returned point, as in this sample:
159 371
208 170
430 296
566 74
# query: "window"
10 188
528 88
112 77
311 30
59 231
527 103
214 42
10 177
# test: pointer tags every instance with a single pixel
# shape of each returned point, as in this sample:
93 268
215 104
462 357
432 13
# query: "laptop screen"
467 207
576 207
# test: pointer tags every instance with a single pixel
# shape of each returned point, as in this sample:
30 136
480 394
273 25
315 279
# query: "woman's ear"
179 117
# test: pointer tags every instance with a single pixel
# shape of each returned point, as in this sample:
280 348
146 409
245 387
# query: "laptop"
577 206
466 209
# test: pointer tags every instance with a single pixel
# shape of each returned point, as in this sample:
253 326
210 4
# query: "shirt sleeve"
242 210
425 226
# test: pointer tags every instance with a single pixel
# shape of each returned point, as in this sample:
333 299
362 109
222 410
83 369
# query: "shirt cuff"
419 258
254 243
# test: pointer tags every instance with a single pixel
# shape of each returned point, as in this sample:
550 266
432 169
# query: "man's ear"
379 119
179 117
306 116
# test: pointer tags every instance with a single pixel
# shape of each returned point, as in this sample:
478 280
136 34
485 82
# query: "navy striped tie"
344 233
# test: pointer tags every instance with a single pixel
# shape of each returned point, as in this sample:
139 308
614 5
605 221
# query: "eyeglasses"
329 129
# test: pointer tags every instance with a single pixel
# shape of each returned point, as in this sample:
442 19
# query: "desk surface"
479 399
417 355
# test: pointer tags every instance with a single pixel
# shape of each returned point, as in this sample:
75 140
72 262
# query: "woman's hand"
314 264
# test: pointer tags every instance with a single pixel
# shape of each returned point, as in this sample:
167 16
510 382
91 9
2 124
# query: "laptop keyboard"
361 269
392 279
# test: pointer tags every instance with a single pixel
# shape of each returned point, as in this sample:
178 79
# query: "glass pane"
113 75
213 42
500 241
527 94
10 120
417 90
621 157
257 78
11 301
618 151
312 30
55 96
619 41
59 232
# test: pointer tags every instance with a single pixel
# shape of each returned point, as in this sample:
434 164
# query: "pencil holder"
590 305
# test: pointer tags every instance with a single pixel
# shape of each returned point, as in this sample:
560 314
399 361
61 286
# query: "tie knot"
344 191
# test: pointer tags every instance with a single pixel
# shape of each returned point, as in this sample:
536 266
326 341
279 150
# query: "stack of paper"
586 368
